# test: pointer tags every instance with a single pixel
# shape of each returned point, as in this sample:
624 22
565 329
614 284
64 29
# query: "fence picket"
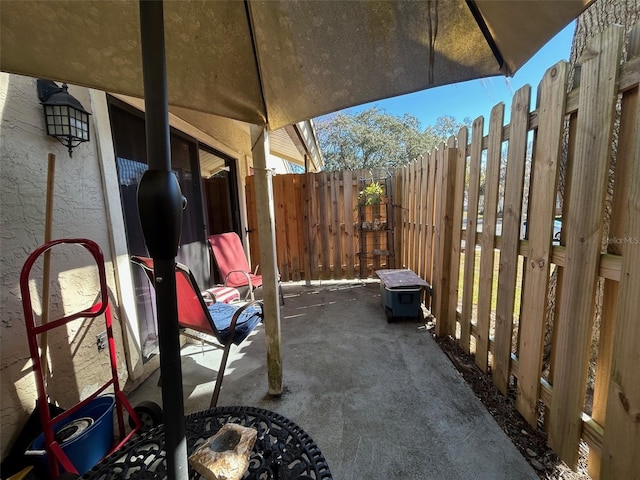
446 321
511 221
422 215
336 234
412 216
406 216
323 211
488 234
314 247
305 202
430 231
584 236
456 239
470 234
398 212
252 222
620 214
280 222
349 205
544 171
294 235
438 163
620 457
419 227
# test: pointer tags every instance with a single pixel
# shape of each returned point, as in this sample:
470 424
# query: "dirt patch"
532 443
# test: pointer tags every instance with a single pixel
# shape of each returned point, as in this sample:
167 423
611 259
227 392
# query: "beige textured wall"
86 205
79 211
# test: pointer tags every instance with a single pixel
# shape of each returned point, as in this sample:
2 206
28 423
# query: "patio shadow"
381 400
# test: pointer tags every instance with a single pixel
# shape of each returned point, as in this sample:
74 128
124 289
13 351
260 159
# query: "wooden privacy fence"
316 219
523 302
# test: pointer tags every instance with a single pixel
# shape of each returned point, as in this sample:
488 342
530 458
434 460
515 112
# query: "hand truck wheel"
150 415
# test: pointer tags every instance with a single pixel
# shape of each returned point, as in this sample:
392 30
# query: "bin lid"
398 277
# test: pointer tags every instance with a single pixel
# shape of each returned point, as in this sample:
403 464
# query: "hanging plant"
371 195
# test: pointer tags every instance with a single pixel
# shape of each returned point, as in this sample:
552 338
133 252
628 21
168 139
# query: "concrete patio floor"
381 400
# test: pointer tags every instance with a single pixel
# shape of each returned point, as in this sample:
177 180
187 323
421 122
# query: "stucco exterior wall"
79 211
86 204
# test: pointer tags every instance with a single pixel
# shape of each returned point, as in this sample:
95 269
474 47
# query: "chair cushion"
224 294
222 313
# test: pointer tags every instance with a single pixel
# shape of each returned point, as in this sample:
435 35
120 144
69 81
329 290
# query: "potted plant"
372 194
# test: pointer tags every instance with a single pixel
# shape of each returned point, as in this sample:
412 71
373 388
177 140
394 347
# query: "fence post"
445 322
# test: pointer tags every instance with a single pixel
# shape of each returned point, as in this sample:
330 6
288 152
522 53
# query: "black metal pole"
160 204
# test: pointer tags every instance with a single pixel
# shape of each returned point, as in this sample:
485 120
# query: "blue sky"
477 97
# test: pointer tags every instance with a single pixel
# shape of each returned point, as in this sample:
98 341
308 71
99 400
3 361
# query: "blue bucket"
85 437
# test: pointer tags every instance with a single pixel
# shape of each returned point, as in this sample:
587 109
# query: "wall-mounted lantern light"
65 118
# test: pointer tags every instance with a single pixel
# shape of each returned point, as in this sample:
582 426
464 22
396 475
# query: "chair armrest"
238 312
245 273
208 297
248 277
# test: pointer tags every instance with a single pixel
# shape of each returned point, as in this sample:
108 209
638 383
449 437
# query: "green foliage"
373 139
371 195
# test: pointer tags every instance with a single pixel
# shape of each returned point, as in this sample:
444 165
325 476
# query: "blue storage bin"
85 437
402 302
401 293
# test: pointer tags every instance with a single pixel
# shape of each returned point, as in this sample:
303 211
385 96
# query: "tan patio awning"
280 62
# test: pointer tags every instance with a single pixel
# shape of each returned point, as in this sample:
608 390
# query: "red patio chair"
230 258
219 324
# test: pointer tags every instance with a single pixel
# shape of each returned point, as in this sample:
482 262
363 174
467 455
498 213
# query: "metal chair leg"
221 369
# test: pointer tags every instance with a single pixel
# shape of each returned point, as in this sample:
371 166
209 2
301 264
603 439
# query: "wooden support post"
267 234
542 204
511 221
596 107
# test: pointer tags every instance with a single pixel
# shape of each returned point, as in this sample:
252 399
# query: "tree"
373 139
